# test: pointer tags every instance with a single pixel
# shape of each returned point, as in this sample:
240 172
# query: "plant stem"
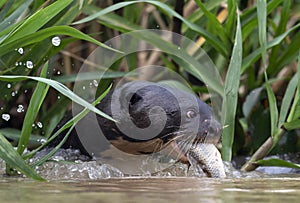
262 151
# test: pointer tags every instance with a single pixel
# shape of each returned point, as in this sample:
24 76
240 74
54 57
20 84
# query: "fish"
207 158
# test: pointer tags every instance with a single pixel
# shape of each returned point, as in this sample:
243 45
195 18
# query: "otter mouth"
181 144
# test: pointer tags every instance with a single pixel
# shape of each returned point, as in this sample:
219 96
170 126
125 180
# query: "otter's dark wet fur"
187 118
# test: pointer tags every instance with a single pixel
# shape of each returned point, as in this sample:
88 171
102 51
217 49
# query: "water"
174 189
91 181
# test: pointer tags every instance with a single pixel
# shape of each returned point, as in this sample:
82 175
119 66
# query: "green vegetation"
255 47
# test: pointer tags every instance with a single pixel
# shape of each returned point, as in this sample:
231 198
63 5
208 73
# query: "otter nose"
213 131
215 128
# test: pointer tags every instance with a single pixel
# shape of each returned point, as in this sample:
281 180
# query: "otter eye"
191 114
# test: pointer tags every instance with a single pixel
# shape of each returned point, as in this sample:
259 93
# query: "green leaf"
262 29
59 87
284 18
217 44
287 100
54 150
273 107
15 134
48 32
214 21
37 20
229 105
35 104
13 159
254 56
10 20
70 124
231 19
292 125
90 76
277 162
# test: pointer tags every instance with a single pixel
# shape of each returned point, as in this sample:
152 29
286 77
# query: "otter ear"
135 98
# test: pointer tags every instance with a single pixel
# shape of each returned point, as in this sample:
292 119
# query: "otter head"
151 116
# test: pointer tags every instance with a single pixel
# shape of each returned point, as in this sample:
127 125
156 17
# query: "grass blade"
214 21
254 56
37 20
262 35
262 29
272 106
8 21
287 99
277 162
217 44
48 32
292 125
231 95
70 124
59 87
13 159
34 106
15 134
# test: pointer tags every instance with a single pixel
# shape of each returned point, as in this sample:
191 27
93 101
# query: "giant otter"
150 117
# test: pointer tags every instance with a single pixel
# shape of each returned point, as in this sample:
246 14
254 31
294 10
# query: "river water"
154 189
91 181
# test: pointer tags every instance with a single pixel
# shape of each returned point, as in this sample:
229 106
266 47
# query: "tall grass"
254 46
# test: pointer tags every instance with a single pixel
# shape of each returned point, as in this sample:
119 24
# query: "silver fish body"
206 157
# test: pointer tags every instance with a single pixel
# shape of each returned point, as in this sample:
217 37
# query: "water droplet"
8 85
178 48
20 108
29 64
16 63
58 97
20 63
95 83
5 117
157 26
42 141
83 87
39 124
21 51
58 72
13 94
56 41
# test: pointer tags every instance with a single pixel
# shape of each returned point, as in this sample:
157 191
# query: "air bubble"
56 41
5 117
8 85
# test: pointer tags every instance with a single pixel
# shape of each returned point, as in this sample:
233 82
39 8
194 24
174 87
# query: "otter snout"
210 131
